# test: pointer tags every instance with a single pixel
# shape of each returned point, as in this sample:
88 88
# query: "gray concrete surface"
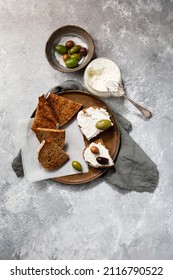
47 220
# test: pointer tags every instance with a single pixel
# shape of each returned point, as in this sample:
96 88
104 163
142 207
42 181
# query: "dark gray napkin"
134 170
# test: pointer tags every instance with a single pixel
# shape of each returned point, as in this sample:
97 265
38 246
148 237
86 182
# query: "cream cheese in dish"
91 157
87 119
98 73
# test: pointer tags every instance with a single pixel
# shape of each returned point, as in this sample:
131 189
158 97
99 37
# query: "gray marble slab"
47 220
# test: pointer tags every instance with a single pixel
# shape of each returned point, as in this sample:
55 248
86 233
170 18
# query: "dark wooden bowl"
68 31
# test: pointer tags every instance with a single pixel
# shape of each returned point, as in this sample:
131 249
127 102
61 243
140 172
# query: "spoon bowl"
116 89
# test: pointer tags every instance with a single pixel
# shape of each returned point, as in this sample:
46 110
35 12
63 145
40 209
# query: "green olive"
77 165
74 49
76 56
61 49
71 62
103 124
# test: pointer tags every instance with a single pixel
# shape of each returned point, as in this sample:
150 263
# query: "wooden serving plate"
111 137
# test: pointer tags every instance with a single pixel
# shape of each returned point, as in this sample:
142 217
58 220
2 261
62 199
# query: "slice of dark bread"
63 108
50 155
56 135
44 117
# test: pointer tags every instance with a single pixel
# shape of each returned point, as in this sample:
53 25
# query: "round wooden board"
111 137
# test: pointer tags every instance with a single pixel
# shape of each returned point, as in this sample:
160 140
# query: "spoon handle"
145 112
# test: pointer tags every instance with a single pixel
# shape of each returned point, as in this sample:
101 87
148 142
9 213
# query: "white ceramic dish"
98 73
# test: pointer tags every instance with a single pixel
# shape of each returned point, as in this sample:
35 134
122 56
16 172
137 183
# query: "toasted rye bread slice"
44 116
64 109
100 140
50 155
56 135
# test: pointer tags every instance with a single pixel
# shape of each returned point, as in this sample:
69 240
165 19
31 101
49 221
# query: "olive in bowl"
69 49
72 54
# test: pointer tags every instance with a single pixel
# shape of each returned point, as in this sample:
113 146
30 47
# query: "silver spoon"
116 89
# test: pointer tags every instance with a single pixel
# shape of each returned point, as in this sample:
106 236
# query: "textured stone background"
47 220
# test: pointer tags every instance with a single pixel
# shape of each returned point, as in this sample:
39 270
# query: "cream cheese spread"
98 73
91 158
87 119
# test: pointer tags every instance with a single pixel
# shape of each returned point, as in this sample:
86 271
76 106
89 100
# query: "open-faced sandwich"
97 155
93 120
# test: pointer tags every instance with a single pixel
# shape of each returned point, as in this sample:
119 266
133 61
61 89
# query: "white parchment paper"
74 146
